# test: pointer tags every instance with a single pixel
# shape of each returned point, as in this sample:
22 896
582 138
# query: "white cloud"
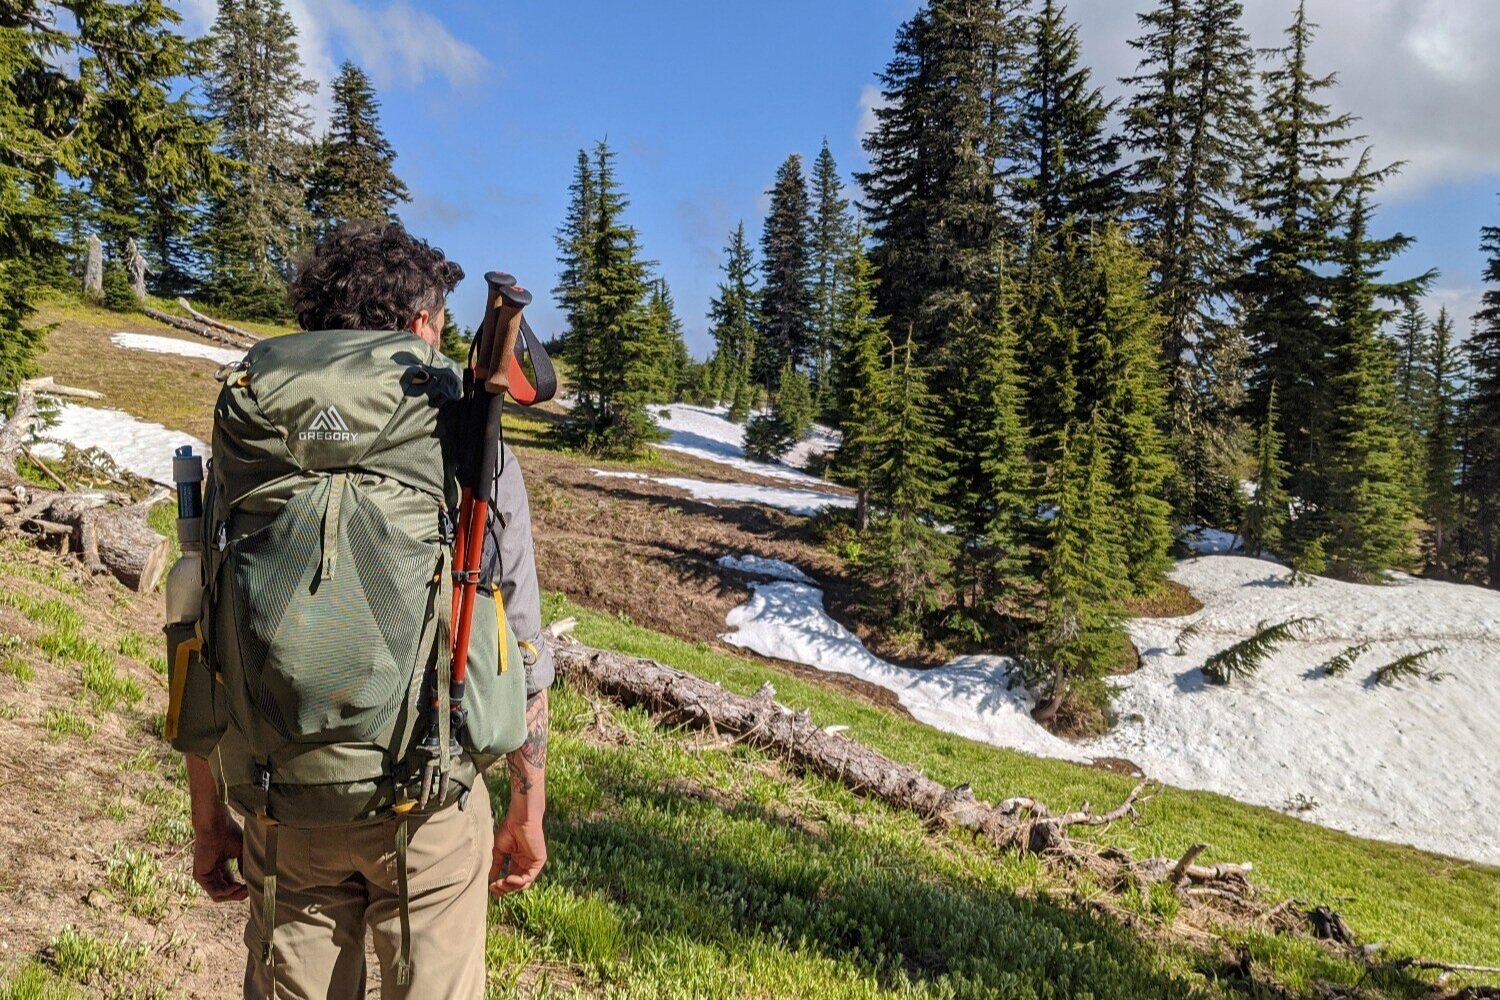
398 44
870 99
1461 302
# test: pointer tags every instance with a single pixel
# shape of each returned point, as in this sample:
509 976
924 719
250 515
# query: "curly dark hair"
371 277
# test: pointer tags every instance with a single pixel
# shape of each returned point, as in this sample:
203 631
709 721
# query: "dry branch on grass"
218 324
196 328
106 530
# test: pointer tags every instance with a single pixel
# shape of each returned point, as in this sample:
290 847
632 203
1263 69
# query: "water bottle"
185 581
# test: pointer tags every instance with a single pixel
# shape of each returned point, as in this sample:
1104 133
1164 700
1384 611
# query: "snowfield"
804 503
1415 762
708 433
137 446
171 345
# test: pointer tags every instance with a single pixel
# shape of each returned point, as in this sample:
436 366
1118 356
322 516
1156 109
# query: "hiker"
333 527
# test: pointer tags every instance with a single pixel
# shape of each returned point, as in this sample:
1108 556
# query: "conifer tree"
92 117
665 350
905 558
1084 576
1266 513
1440 447
1122 376
455 341
984 446
574 242
1369 504
1049 335
613 371
1070 162
768 436
1481 485
786 299
731 315
258 96
1410 345
859 381
1192 122
354 177
832 230
939 149
1294 190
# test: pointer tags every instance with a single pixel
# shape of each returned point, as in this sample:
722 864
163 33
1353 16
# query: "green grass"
61 721
19 668
134 645
681 867
32 980
1412 902
142 886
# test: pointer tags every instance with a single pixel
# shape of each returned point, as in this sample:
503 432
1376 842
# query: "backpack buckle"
446 532
463 576
263 777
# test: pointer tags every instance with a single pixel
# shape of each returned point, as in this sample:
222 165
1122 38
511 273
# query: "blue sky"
488 103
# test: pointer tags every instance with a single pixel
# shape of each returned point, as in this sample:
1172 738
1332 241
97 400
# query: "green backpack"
328 591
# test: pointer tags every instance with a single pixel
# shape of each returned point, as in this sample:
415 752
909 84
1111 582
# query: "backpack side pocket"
495 689
196 717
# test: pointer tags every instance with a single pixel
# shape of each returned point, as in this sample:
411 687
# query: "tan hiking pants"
332 884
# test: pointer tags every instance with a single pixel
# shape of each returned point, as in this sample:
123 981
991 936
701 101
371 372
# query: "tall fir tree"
859 375
939 152
1266 513
1070 171
1123 378
1440 456
732 323
905 558
786 298
1192 124
613 370
1368 510
984 447
1084 575
354 176
1294 192
665 350
574 242
832 231
1410 345
259 97
1481 485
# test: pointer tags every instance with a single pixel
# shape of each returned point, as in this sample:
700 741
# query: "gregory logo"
328 425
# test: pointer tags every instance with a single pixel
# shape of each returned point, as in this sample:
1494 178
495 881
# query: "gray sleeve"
510 558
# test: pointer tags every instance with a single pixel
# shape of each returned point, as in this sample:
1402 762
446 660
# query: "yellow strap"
500 623
185 649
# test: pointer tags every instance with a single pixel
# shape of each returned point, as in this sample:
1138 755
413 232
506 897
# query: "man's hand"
217 839
520 845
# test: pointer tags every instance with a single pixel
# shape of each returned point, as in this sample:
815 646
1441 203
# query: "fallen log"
1021 824
218 324
108 537
193 327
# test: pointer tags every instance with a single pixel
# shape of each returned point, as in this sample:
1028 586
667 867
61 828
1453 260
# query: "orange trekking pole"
485 384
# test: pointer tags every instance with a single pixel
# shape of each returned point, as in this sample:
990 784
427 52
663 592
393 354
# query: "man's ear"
419 322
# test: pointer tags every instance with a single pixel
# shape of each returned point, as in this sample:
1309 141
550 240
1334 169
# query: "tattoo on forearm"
532 755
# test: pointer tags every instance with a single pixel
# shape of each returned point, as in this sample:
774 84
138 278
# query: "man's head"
375 277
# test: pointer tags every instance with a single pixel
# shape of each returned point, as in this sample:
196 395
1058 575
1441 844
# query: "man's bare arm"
216 835
520 847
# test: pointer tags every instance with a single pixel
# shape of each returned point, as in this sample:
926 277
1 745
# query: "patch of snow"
754 565
1407 763
137 446
970 696
171 345
804 503
706 432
